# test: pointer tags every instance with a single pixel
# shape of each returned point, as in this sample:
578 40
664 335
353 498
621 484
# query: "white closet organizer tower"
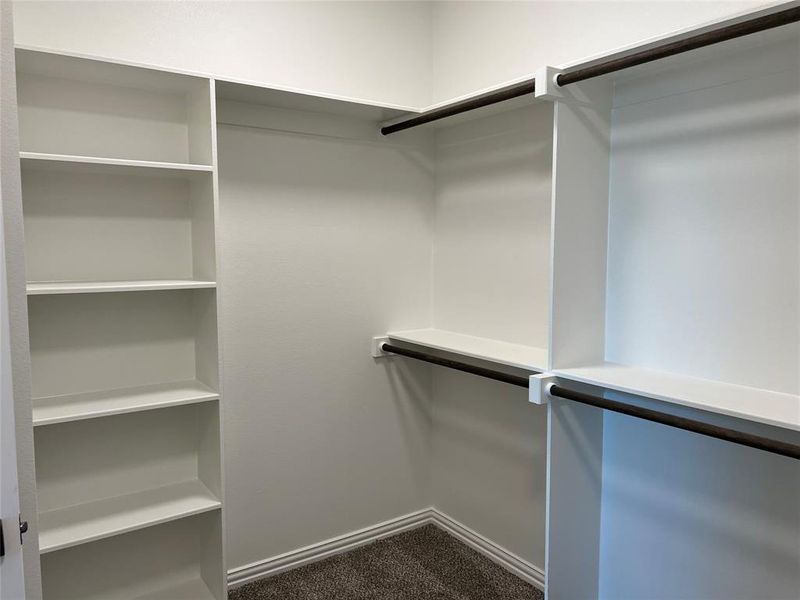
119 204
679 260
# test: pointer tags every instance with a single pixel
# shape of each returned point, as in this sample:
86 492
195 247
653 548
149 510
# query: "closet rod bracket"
377 347
547 89
539 388
546 86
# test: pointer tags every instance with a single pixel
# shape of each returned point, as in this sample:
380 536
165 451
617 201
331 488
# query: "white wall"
488 461
325 243
406 53
687 517
482 44
491 279
378 51
492 250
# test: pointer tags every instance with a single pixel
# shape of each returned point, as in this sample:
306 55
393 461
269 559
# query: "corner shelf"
504 353
754 404
74 525
75 407
41 288
78 160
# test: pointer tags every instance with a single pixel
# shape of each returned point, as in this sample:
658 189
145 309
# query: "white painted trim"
315 552
349 541
494 552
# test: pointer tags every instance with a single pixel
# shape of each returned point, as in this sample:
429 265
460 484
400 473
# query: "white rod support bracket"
538 388
377 342
548 89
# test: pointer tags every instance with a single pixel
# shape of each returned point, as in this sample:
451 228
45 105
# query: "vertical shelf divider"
581 150
214 559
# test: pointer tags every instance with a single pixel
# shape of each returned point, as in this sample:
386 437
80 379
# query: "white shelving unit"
119 207
676 270
686 256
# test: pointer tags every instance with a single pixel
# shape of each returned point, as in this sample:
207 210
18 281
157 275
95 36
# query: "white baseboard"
315 552
506 559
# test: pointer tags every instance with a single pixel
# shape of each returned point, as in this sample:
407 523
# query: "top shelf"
513 355
97 70
254 93
753 404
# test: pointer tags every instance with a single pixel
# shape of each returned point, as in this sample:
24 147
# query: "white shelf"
193 589
75 407
69 159
754 404
66 527
41 288
505 353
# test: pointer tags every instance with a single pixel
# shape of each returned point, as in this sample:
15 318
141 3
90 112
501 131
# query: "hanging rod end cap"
538 387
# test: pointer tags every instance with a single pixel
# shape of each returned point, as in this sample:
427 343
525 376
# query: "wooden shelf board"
505 353
39 288
75 407
753 404
192 589
74 525
43 158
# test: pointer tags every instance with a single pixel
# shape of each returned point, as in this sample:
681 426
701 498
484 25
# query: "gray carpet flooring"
423 564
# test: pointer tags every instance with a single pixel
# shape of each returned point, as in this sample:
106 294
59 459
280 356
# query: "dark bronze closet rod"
458 366
723 433
714 36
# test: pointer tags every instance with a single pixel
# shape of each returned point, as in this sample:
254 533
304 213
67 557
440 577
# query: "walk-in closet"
400 300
